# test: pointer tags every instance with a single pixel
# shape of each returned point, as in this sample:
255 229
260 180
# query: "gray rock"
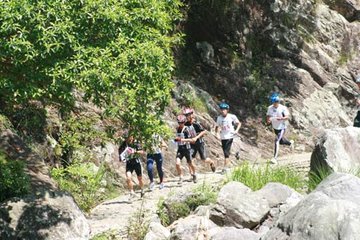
238 207
337 150
232 233
157 232
191 227
332 211
277 193
53 215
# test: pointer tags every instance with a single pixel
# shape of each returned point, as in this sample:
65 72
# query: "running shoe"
161 186
194 178
151 186
273 161
212 166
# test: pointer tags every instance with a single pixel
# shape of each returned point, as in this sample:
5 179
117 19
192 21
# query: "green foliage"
202 195
162 212
14 182
117 53
80 133
108 235
256 177
83 181
321 172
315 177
138 224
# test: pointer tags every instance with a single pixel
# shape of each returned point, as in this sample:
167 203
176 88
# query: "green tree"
114 53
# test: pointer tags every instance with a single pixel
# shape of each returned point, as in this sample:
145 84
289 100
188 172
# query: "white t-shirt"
226 125
273 113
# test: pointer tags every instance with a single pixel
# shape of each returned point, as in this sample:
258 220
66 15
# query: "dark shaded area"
29 120
35 217
250 58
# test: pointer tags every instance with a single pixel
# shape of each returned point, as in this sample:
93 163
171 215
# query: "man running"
155 154
226 122
197 132
183 141
357 118
130 152
277 114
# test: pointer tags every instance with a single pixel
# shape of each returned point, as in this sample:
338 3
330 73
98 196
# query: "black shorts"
184 153
199 147
226 146
134 165
357 120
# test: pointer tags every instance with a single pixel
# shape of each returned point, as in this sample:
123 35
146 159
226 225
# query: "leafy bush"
117 54
138 224
14 182
108 235
256 177
83 181
202 195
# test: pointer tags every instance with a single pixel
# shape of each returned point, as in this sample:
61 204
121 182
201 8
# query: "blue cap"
224 105
274 98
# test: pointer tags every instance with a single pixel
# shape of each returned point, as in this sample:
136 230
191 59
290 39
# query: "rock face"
53 215
157 232
45 213
232 233
332 211
191 227
305 49
337 149
238 207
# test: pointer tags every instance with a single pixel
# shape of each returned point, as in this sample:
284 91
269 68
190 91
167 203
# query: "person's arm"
238 127
285 114
268 119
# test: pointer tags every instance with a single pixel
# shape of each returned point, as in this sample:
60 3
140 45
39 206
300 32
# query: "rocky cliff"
307 50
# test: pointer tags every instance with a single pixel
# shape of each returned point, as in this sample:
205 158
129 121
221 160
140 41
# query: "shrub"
138 224
108 235
321 172
256 177
82 181
202 195
14 182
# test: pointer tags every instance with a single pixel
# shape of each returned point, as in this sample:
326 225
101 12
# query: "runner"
277 114
155 154
197 132
225 122
357 118
183 141
130 152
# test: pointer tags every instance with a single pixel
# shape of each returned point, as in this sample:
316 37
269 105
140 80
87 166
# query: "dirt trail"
115 213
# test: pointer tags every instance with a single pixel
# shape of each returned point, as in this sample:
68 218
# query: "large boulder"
237 206
157 232
191 227
337 150
232 233
332 211
52 215
45 212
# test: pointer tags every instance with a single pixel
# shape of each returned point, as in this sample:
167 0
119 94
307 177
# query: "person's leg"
159 161
179 156
149 167
138 171
283 140
191 166
128 172
279 134
201 149
227 148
